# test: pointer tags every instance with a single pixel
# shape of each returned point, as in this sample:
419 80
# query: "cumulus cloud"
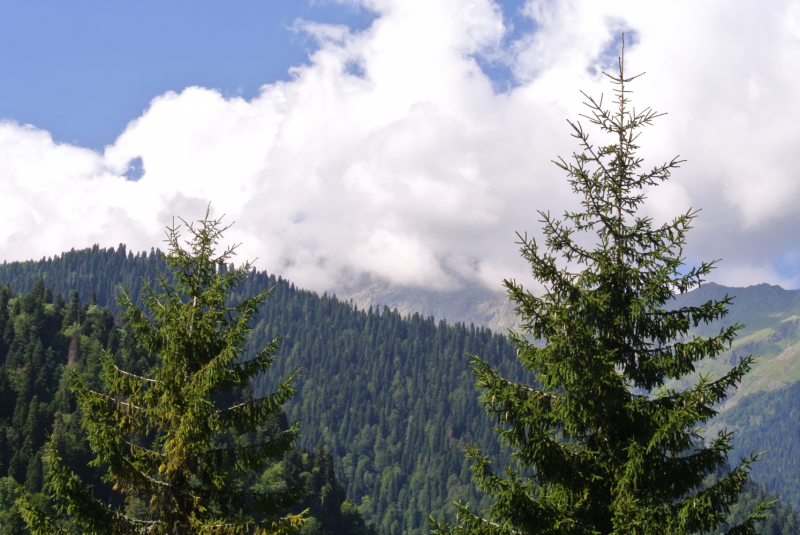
389 153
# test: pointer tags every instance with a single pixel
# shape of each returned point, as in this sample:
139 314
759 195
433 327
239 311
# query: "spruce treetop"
168 438
602 444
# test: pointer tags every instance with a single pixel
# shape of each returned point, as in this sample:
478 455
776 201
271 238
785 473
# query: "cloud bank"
390 154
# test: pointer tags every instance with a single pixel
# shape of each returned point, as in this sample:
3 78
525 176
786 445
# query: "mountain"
389 394
468 304
765 410
40 336
771 316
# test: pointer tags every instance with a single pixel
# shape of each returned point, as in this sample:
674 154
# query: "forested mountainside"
770 421
390 396
781 520
87 271
40 336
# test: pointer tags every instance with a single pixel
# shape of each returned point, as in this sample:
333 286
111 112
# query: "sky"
398 140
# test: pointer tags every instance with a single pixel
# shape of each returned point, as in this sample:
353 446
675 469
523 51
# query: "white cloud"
389 154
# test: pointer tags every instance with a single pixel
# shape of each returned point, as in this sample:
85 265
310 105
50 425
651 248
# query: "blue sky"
434 121
82 70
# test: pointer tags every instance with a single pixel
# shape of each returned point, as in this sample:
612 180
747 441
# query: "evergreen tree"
602 443
167 441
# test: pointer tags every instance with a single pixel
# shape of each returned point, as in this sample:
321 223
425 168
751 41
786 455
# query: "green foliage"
34 395
323 496
340 350
390 396
160 439
80 347
365 376
99 271
601 444
780 519
770 421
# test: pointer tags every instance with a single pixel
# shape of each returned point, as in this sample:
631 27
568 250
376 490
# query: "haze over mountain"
472 303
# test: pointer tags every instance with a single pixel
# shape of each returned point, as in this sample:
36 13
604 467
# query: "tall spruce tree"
167 440
602 443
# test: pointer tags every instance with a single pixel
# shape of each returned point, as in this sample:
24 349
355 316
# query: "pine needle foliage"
602 444
162 438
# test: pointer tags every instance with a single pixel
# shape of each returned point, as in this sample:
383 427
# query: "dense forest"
391 397
386 402
42 336
770 421
781 520
88 271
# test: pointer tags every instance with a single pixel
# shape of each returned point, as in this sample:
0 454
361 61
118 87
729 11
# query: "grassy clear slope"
771 316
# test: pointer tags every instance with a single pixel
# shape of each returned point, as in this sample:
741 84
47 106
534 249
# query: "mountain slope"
391 396
769 421
470 304
771 316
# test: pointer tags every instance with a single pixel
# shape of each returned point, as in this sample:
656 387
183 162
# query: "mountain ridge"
470 304
410 368
390 396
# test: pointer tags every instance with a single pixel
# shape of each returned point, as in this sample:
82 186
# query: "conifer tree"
601 441
164 439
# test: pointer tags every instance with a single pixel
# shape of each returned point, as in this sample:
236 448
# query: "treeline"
770 421
97 271
782 519
43 335
390 397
